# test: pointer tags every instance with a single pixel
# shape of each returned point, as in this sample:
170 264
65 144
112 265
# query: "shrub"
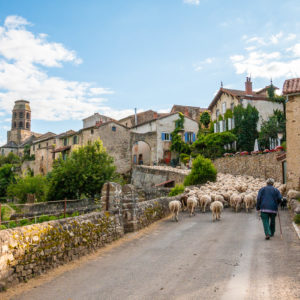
53 218
24 222
29 185
284 146
75 214
297 219
12 224
202 171
2 227
43 218
178 189
184 158
7 176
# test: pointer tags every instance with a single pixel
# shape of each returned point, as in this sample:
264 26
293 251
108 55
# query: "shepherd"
268 199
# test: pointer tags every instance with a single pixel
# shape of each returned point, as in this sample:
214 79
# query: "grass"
297 219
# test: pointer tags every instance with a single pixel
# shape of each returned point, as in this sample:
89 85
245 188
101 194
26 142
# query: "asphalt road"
192 259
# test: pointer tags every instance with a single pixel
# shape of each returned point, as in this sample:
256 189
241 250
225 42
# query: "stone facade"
139 118
94 120
259 166
291 89
190 111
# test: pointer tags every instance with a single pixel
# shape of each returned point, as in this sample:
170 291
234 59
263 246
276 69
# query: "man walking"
267 203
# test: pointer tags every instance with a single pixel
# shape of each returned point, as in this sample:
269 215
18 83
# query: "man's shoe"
267 237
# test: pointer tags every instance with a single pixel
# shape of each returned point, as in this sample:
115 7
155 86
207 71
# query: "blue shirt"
267 199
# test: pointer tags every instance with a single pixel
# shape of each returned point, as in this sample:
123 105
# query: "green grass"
297 219
6 212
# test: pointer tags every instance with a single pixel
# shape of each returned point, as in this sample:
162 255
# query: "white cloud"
269 57
199 66
291 37
24 58
192 2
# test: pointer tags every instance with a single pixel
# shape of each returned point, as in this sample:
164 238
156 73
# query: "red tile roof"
291 86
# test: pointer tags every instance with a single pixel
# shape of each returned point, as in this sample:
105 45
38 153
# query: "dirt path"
192 259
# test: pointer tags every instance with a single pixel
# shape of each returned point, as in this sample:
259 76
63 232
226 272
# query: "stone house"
157 135
291 89
192 112
95 119
228 98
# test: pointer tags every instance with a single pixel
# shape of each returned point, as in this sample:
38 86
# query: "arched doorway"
141 153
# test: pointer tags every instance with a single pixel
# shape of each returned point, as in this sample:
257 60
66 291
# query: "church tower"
21 122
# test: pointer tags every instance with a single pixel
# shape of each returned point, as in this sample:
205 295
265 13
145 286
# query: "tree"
276 98
270 129
205 119
245 120
83 173
7 176
11 158
36 185
202 171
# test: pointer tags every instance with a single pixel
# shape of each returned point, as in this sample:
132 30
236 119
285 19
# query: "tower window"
15 114
27 115
20 124
27 125
21 114
15 124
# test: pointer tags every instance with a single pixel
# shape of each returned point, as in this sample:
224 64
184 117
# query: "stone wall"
56 208
146 177
29 251
260 166
293 142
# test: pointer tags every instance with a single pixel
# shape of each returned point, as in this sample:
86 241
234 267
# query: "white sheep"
204 201
216 207
248 200
191 204
175 207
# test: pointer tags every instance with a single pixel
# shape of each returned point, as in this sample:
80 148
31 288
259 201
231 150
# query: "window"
166 136
27 115
42 157
75 140
232 106
47 144
190 137
224 107
33 147
92 131
53 155
15 124
65 141
64 155
39 146
114 128
15 114
217 113
20 124
21 114
27 125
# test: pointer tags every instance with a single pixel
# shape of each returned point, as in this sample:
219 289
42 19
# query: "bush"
28 185
43 218
12 224
297 219
184 158
75 214
7 176
2 227
202 171
284 146
178 189
24 222
53 218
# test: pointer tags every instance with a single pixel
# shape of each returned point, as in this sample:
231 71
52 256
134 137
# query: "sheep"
191 204
248 200
175 207
183 200
216 207
204 201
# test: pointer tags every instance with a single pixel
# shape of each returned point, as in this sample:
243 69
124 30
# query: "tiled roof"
291 86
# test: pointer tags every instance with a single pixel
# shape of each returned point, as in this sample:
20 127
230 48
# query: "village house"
192 112
291 89
95 119
152 139
226 99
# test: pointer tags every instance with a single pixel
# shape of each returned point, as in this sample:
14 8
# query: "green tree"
245 120
276 98
36 185
11 158
83 173
202 171
205 119
7 176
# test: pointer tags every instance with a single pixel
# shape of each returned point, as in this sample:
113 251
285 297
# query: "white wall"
147 127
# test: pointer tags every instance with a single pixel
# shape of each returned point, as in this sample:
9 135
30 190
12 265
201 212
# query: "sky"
73 58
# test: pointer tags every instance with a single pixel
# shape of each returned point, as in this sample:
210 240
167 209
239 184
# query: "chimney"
135 117
248 86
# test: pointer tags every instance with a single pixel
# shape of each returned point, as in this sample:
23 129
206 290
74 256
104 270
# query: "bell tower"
21 122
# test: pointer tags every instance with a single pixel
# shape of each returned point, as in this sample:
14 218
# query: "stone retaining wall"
28 251
259 166
146 177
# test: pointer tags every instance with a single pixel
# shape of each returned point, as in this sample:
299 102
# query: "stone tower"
21 122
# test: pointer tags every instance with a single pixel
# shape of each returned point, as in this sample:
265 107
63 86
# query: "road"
192 259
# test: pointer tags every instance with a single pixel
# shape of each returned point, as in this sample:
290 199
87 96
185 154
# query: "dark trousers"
268 220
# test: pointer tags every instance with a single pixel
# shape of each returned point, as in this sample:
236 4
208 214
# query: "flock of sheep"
238 192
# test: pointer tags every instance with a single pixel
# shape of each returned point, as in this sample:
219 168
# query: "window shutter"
186 137
229 123
194 137
215 127
162 136
221 126
232 123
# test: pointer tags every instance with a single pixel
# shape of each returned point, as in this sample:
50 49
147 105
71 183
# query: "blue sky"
72 58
